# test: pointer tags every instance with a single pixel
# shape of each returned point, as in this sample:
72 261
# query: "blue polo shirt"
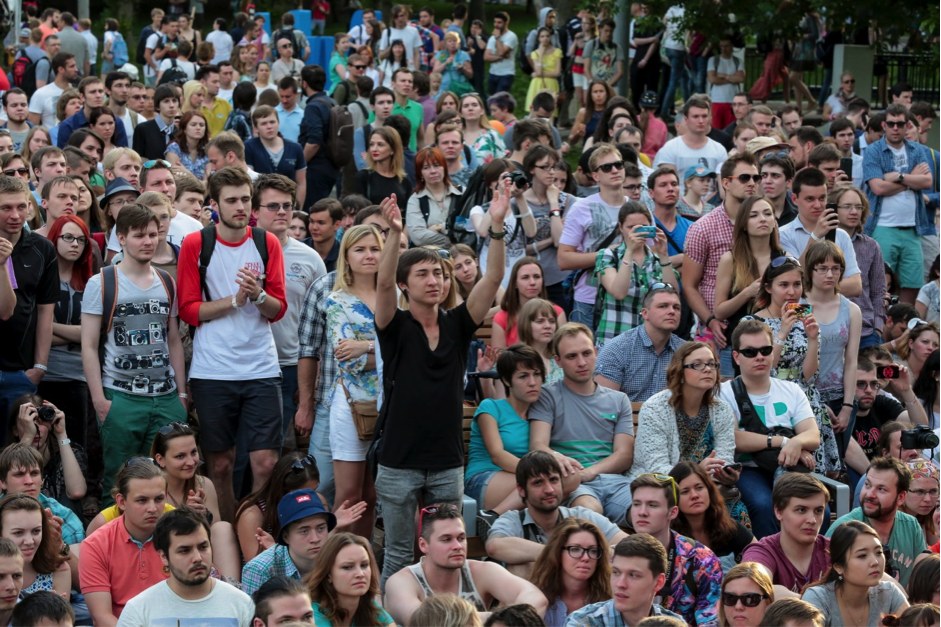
259 159
290 122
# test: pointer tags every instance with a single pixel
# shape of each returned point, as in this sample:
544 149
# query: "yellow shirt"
113 512
217 116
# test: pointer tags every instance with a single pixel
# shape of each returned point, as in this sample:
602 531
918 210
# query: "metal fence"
918 70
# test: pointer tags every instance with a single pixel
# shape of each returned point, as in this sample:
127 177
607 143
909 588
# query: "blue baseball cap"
301 504
697 170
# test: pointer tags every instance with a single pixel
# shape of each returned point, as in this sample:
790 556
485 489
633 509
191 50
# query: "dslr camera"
519 179
921 437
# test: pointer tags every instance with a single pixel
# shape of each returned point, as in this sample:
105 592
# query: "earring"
840 577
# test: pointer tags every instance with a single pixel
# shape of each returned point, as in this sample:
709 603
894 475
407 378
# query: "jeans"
826 88
872 339
317 25
697 79
677 79
497 83
288 389
755 486
584 313
322 175
726 364
843 439
13 384
400 490
320 449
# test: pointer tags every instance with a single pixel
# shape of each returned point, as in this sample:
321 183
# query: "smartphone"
649 232
734 466
802 309
888 372
846 164
831 235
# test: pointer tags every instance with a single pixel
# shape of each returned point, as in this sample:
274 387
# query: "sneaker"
485 520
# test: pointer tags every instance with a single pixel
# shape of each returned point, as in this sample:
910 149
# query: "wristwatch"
769 440
235 303
65 442
901 179
262 297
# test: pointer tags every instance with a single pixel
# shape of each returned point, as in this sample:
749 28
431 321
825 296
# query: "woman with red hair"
430 204
64 383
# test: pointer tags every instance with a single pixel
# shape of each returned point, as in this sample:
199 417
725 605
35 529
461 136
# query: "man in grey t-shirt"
589 426
517 537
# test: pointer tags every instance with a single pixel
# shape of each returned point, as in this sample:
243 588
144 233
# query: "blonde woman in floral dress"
486 143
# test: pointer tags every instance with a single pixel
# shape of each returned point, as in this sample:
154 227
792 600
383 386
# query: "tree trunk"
564 10
476 11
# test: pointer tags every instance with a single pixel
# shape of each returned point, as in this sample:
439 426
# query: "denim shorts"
476 486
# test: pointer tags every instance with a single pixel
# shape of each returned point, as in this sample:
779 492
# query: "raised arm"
481 297
386 296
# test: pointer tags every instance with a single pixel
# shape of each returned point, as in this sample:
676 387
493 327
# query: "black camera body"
519 178
921 437
46 413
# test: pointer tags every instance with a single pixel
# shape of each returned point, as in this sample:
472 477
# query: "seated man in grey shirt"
517 537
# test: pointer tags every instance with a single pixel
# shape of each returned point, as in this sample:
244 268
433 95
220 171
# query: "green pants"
129 429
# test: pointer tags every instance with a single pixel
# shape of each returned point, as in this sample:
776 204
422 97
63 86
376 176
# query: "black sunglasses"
659 287
753 352
750 599
608 167
140 460
358 67
895 124
777 262
744 178
173 426
301 464
15 171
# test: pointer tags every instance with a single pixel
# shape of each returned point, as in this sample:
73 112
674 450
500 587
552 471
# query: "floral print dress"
349 318
789 368
197 168
489 146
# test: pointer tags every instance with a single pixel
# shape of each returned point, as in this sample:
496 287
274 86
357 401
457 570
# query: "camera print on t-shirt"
140 359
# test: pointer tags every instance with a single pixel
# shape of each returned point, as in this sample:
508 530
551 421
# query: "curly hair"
547 571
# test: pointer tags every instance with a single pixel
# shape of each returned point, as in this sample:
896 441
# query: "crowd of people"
672 350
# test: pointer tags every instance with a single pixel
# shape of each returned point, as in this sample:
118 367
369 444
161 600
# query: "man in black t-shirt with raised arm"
424 351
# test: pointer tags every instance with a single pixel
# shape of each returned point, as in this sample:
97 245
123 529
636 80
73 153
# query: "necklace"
846 611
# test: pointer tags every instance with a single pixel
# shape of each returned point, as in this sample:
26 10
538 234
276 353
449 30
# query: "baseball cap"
698 170
762 143
301 504
116 186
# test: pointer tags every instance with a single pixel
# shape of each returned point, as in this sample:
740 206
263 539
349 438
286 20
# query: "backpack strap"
168 285
109 297
259 236
208 245
750 420
423 205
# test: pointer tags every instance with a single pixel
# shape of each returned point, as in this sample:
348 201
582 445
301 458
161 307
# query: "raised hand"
390 211
347 514
500 204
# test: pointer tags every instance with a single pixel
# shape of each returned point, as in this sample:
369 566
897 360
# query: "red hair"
434 155
82 269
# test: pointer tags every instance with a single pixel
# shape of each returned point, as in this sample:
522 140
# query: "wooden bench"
485 332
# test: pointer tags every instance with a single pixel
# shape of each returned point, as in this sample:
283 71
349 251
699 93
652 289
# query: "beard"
188 579
876 511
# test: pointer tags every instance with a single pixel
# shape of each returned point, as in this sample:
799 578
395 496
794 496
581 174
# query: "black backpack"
142 44
459 217
208 245
173 74
522 59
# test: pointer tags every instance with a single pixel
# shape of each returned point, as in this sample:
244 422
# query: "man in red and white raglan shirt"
235 377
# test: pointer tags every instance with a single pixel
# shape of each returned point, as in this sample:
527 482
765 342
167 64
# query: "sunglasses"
850 81
777 262
750 599
163 163
780 155
896 124
443 253
302 464
659 287
174 426
15 171
665 479
358 67
745 178
607 168
753 352
140 460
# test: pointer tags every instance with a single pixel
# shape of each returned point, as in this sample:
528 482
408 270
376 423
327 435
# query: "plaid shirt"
871 301
706 241
273 562
877 161
605 615
630 361
312 333
618 316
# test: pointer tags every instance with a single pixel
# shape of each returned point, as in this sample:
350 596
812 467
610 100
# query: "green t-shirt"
415 114
906 544
321 621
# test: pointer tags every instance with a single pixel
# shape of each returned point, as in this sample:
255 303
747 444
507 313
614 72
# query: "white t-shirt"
358 35
899 209
159 606
180 226
226 94
152 42
128 121
222 42
723 93
187 66
44 102
676 153
507 66
302 266
409 36
672 34
512 254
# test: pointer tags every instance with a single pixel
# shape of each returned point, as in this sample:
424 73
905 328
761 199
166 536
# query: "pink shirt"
768 552
706 241
655 137
512 337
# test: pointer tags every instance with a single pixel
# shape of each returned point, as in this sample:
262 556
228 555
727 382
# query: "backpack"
459 217
522 59
173 74
23 73
338 140
119 51
142 45
109 300
349 93
208 245
287 33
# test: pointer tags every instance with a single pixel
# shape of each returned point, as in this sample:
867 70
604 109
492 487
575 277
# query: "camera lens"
46 413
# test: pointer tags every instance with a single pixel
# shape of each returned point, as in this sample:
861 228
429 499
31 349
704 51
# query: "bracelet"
783 441
65 442
709 320
525 215
372 347
892 343
668 263
850 405
183 395
778 342
555 213
815 238
496 236
41 367
912 402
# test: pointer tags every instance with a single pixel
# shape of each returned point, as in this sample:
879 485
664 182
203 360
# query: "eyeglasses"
140 460
163 163
699 366
665 479
302 464
896 124
850 207
576 552
750 599
633 188
274 207
549 168
828 271
15 171
777 262
745 178
875 386
753 351
358 67
919 493
607 168
174 426
124 202
68 238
